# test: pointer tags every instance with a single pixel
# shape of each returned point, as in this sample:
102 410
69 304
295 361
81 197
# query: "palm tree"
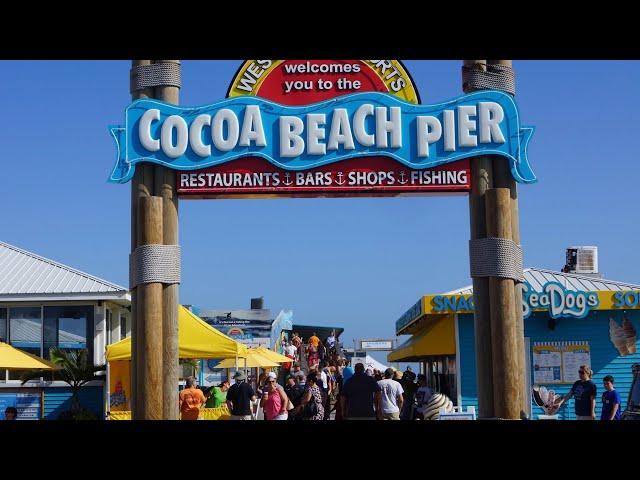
75 369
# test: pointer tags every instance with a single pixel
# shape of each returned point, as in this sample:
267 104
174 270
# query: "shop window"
109 322
25 332
3 325
123 326
68 327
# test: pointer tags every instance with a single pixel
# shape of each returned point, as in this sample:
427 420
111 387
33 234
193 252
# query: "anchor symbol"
402 180
340 181
287 180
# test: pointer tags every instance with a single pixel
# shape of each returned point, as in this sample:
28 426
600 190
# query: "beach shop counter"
565 326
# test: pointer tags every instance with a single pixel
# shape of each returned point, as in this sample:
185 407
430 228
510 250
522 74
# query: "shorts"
584 417
391 416
241 417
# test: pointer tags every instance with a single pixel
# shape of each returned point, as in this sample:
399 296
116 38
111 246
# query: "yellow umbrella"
254 360
271 355
14 359
196 339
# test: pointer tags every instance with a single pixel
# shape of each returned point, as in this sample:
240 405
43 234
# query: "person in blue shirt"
610 400
347 373
584 391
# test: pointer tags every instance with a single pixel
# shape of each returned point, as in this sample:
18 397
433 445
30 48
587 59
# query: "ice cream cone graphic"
630 334
618 337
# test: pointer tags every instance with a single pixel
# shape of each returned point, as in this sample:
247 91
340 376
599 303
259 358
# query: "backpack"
310 409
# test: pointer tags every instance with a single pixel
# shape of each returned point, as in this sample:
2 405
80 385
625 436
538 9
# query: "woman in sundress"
311 407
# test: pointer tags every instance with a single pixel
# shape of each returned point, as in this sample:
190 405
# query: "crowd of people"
329 389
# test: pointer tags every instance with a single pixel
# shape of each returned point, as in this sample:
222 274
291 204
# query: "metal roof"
26 274
537 277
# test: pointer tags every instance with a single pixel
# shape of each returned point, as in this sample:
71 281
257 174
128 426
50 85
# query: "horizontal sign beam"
299 138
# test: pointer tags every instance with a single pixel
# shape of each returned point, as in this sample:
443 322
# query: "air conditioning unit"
582 260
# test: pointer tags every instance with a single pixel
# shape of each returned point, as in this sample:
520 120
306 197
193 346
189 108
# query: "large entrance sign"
357 144
327 128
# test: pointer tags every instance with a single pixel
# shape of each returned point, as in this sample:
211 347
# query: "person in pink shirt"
274 400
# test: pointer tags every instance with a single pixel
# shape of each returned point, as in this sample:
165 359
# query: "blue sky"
358 263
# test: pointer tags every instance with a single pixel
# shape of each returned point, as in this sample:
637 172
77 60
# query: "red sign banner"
368 176
303 82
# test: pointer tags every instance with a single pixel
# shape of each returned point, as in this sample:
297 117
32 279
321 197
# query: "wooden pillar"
506 376
165 183
141 186
503 179
482 179
150 315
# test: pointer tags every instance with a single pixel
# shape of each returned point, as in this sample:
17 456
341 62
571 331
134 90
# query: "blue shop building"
570 319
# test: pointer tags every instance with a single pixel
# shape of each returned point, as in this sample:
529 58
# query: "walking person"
310 407
314 340
361 397
294 392
218 395
422 397
331 343
391 396
313 358
274 399
291 351
610 400
410 388
190 400
584 391
240 397
296 341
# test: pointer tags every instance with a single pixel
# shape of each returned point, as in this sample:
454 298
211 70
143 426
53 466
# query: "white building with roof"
44 303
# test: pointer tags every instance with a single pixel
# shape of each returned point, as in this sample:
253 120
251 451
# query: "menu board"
558 362
574 355
27 405
547 363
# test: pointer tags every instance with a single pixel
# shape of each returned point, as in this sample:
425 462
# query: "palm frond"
31 375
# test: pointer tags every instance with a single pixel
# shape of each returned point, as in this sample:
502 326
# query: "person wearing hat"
274 399
391 396
239 398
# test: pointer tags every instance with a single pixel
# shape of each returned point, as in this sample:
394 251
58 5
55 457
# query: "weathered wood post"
155 271
150 311
503 179
492 310
482 179
506 376
141 186
165 184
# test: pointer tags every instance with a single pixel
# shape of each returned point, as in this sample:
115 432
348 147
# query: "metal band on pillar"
155 264
155 75
496 257
496 77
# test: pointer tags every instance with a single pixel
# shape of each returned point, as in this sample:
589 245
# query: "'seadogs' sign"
362 143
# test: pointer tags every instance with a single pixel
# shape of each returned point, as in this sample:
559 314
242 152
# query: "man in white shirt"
290 351
391 396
